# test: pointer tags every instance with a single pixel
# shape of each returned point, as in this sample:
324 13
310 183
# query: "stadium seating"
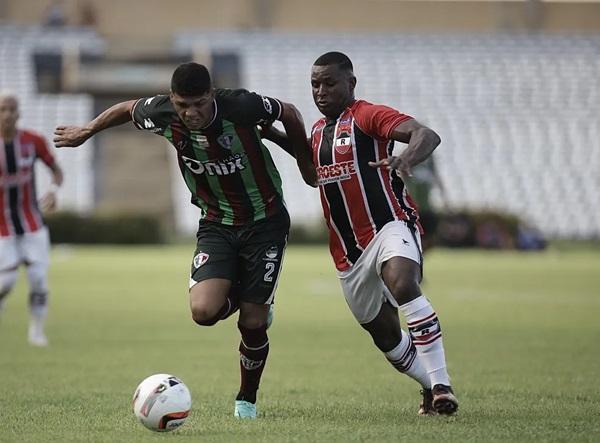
518 114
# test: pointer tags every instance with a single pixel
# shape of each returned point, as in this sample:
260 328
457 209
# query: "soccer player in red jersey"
374 228
242 234
23 236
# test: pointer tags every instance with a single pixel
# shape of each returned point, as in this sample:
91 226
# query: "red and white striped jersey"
358 200
19 212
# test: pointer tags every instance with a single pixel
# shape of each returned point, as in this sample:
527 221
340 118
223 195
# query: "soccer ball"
162 402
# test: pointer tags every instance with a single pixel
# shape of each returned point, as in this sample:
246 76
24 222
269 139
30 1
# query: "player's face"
9 112
332 89
196 112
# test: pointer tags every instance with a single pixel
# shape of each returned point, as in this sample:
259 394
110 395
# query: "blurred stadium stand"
43 112
518 115
517 111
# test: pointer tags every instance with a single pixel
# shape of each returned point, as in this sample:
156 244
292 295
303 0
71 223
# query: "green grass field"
521 334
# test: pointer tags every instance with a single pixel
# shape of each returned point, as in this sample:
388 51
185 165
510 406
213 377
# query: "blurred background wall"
512 87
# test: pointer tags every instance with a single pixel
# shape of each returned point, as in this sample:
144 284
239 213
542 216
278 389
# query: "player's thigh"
399 261
34 247
215 256
9 253
213 268
261 258
208 296
363 290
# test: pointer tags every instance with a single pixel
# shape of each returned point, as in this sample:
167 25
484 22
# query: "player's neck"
8 134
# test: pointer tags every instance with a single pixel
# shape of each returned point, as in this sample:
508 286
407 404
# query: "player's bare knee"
404 289
204 316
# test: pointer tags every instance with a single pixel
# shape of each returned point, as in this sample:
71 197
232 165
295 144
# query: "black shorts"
249 256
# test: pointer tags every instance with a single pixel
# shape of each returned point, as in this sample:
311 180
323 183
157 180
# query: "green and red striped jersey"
227 168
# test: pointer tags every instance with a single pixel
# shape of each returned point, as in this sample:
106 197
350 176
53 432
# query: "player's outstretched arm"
280 138
296 135
72 136
421 140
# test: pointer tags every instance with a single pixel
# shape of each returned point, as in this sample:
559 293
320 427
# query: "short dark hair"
335 58
190 80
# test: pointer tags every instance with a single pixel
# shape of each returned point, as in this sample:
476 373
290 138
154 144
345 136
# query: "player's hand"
48 201
396 163
70 136
265 129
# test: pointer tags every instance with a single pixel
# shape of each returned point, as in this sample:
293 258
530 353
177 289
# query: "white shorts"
31 247
363 287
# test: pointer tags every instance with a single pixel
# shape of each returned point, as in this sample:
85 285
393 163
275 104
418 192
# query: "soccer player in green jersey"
243 232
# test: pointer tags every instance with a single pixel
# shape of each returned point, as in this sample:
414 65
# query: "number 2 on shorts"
270 267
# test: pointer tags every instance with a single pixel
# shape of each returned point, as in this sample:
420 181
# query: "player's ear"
352 81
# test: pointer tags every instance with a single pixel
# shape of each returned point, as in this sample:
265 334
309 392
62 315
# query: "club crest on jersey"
225 140
342 143
200 259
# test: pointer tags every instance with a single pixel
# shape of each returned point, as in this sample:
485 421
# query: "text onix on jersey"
225 165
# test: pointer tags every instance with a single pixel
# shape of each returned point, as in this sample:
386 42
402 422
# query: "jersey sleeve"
378 120
42 151
152 114
251 108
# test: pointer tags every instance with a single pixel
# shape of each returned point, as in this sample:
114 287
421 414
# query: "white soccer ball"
162 402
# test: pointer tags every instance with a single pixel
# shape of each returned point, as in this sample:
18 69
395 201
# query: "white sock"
38 310
426 334
405 359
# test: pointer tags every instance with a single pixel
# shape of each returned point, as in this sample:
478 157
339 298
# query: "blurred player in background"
373 224
243 233
24 238
420 183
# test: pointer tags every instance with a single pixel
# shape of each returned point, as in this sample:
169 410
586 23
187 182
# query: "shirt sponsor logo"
227 166
336 172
